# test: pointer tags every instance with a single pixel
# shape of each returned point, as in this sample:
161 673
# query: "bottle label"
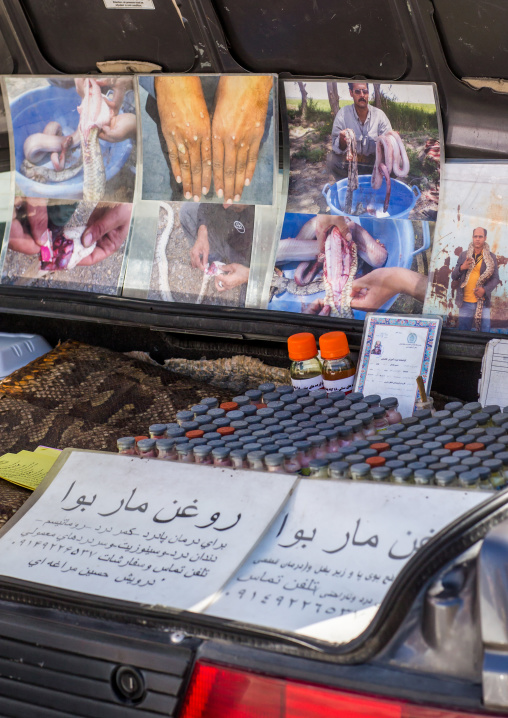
312 384
345 385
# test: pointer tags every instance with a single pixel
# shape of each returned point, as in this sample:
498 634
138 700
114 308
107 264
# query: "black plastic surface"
73 37
50 670
473 34
315 38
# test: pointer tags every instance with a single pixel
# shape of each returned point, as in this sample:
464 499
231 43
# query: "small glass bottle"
304 456
391 404
221 457
275 463
318 444
157 431
291 463
423 477
255 460
495 466
380 473
469 480
360 471
305 370
203 455
183 416
367 419
126 446
402 476
356 426
185 453
210 401
319 468
166 449
339 470
199 409
380 420
445 478
239 459
146 449
332 437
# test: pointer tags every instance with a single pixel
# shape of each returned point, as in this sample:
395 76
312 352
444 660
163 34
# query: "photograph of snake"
468 276
67 245
202 253
365 149
74 138
337 266
209 138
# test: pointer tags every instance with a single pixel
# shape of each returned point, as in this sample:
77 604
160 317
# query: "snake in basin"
63 249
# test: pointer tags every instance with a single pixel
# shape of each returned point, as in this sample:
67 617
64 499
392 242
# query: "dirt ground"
307 178
185 281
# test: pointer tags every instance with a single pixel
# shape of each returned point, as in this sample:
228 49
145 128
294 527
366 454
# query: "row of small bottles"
462 445
267 419
335 371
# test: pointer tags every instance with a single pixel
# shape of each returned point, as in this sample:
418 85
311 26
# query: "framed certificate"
396 350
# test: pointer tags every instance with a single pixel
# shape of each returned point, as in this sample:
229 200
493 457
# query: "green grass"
310 154
404 116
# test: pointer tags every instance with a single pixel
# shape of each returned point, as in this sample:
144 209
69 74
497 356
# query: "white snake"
160 253
391 156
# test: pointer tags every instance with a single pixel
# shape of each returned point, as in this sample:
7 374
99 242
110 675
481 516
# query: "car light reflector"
220 692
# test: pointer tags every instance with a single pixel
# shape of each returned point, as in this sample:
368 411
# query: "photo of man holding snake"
364 149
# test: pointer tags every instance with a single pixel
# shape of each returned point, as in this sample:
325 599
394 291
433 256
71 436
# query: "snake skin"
86 397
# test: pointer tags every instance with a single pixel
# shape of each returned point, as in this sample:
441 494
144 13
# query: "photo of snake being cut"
364 148
74 144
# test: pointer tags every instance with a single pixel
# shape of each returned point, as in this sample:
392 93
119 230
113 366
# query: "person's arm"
236 274
185 124
238 125
108 227
375 288
457 271
201 249
339 124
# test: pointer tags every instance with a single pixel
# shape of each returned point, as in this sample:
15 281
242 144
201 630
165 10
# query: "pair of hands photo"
225 146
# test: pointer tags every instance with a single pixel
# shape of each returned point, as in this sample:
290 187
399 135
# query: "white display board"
333 553
142 530
308 556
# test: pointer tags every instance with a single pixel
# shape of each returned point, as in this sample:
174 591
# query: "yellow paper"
27 468
48 450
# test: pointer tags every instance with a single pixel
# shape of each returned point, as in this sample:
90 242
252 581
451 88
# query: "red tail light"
217 692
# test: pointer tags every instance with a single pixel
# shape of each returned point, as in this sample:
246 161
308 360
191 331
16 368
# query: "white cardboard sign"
329 559
142 530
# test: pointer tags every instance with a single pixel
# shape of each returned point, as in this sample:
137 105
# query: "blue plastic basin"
402 197
30 113
397 236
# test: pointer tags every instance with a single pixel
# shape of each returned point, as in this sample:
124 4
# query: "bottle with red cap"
338 367
305 366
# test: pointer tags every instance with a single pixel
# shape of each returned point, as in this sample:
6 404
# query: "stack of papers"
28 468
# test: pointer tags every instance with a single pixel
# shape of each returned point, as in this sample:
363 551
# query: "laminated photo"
468 276
364 149
208 138
67 245
73 138
202 253
345 266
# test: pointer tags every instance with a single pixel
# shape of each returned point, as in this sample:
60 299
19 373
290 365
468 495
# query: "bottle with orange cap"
338 367
305 367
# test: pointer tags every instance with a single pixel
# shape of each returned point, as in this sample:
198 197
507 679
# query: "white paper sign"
329 559
129 4
141 530
395 351
494 384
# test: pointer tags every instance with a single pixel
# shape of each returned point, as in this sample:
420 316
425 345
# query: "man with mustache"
366 121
